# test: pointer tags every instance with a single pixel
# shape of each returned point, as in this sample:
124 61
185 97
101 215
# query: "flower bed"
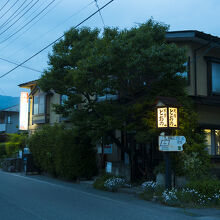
114 183
204 194
109 182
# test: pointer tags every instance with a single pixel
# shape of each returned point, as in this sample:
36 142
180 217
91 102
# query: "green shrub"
42 146
63 152
190 197
206 187
15 143
100 181
200 193
147 195
2 150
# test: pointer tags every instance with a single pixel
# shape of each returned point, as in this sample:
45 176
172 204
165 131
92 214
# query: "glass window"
9 119
216 77
39 104
208 139
213 141
217 142
36 99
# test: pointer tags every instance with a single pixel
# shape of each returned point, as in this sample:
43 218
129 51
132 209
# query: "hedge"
63 152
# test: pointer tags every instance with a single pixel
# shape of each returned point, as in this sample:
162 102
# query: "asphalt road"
39 197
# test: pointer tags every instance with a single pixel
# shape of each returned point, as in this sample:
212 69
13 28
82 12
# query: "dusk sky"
24 32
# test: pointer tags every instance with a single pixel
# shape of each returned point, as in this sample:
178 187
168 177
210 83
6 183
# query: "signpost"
171 143
167 120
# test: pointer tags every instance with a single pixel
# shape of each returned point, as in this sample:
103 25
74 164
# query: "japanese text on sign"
173 118
162 117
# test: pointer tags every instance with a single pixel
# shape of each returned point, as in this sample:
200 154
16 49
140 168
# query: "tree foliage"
112 80
135 65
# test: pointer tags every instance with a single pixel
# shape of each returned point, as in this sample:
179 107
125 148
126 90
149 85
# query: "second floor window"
9 119
39 104
215 75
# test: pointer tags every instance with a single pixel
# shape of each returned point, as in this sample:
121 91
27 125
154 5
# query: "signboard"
26 150
171 143
23 115
173 123
108 149
162 119
167 117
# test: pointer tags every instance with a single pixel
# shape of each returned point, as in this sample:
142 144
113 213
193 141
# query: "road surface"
43 198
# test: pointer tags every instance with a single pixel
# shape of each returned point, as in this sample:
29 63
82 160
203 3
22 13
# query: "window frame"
9 119
213 146
210 61
38 104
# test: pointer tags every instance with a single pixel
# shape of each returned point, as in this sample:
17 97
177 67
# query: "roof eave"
28 85
193 36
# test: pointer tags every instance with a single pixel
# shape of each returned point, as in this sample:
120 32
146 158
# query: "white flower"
114 183
149 185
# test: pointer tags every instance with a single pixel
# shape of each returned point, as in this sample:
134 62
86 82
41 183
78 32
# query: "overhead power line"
43 35
19 17
4 5
9 9
11 19
12 62
27 22
8 20
33 41
76 26
96 2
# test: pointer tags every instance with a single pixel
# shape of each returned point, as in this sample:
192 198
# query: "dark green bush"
15 143
63 152
206 187
99 182
2 150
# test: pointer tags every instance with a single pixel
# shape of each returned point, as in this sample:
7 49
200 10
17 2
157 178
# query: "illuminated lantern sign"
167 117
162 119
173 123
23 119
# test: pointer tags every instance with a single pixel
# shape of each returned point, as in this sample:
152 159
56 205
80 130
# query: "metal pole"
167 170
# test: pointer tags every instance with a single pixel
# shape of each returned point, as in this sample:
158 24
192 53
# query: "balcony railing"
2 127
